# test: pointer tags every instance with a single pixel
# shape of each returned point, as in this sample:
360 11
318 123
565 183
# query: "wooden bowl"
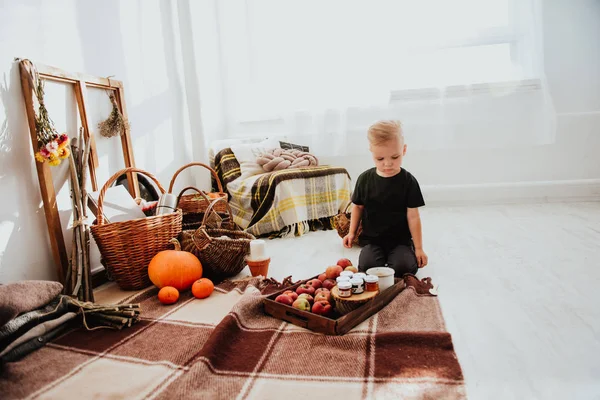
344 305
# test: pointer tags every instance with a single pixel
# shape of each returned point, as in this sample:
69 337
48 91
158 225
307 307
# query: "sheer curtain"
461 73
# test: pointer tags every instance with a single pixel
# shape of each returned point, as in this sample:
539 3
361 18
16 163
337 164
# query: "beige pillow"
278 159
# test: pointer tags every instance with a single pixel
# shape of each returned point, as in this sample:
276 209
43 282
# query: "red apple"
329 284
284 299
320 290
322 308
314 283
322 277
323 296
344 262
307 297
305 289
301 304
291 293
333 271
351 268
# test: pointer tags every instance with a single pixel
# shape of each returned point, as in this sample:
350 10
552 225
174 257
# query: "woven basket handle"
347 207
100 216
199 164
200 192
210 207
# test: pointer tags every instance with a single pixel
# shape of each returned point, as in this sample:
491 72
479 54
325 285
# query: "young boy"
386 199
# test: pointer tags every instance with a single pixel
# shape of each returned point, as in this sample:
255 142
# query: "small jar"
347 273
342 279
345 289
360 275
357 285
371 283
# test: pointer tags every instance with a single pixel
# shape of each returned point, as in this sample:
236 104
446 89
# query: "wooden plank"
81 95
127 146
56 74
57 241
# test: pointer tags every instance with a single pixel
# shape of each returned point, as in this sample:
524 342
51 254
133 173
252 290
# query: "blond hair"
382 132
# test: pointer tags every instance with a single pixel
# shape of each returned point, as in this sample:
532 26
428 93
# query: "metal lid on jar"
347 273
342 279
344 285
371 279
360 275
356 281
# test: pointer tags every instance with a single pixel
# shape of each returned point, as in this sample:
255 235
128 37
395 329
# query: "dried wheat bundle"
115 124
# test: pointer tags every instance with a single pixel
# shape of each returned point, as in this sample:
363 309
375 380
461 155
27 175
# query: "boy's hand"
348 240
421 257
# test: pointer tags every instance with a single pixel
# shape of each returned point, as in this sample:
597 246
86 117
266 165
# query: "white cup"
386 276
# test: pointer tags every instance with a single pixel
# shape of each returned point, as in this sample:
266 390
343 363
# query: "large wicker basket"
342 224
128 246
221 251
194 206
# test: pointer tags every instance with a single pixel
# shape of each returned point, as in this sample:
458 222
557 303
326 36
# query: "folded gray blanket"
25 296
24 322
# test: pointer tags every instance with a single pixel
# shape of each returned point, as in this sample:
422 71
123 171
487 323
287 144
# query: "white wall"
140 45
572 65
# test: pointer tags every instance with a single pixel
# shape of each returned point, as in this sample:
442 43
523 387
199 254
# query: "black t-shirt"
385 202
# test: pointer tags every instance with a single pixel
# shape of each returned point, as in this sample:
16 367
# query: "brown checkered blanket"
225 347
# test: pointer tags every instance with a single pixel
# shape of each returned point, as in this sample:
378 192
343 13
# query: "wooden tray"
336 325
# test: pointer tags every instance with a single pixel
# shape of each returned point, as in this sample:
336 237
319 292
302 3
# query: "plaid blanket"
287 202
225 347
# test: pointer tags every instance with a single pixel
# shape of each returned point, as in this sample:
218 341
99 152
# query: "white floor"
519 288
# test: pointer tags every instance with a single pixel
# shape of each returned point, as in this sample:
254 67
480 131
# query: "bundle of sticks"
78 282
96 316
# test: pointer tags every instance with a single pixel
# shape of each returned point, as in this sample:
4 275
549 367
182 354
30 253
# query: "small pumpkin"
176 268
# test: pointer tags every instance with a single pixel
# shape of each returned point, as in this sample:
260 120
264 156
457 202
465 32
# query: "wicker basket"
128 246
342 224
194 206
221 251
193 220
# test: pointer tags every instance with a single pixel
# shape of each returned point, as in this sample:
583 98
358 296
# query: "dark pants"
400 258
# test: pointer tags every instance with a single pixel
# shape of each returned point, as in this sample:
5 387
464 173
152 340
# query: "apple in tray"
305 289
292 294
323 296
301 304
333 271
307 297
284 299
316 283
329 284
322 308
344 262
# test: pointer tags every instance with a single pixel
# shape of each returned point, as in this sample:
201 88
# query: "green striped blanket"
286 202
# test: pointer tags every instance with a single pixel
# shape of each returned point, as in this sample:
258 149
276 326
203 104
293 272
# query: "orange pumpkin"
176 268
202 288
168 295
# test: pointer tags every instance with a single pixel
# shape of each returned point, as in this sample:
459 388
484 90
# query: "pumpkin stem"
176 244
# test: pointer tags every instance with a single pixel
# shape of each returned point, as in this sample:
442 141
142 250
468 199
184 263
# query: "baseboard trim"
581 190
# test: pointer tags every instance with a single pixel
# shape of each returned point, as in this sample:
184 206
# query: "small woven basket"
342 224
194 206
193 220
221 251
128 246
